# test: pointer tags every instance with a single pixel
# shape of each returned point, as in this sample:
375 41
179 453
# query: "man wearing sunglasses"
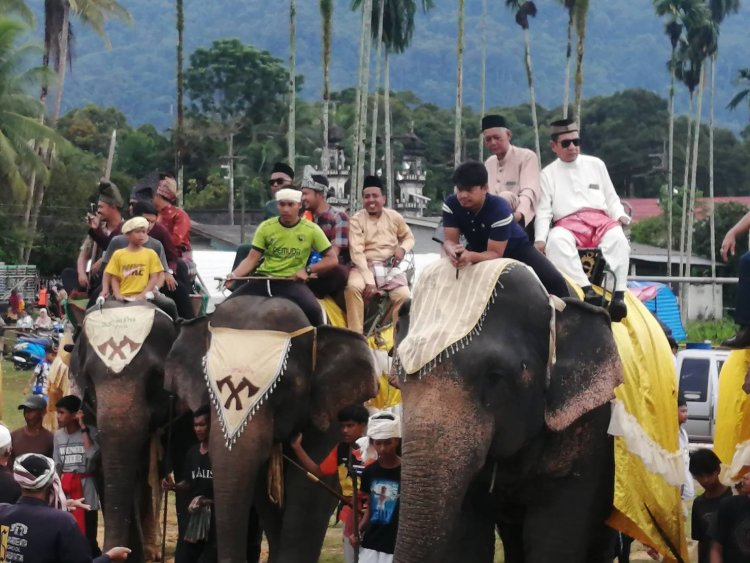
579 203
282 176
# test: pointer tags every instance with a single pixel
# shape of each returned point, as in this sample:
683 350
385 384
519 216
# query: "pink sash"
588 226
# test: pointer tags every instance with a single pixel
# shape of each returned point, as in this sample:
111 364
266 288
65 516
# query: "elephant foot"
152 553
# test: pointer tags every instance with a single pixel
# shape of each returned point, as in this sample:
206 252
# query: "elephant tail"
664 536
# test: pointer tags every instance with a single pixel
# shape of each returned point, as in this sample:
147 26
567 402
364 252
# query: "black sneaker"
739 340
617 309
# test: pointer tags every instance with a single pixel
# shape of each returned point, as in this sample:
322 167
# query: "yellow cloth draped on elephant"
732 434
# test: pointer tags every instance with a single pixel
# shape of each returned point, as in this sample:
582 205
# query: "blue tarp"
659 299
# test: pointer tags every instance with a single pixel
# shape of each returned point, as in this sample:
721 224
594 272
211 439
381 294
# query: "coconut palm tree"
569 5
292 83
523 11
458 133
743 81
360 103
719 9
483 76
375 102
581 11
180 24
326 21
20 112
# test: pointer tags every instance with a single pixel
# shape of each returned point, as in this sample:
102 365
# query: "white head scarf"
5 438
381 426
289 194
30 482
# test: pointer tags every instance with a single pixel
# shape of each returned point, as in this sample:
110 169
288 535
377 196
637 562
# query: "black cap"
372 182
490 121
34 402
284 168
142 207
563 126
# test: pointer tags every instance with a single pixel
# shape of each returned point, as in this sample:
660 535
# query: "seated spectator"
581 205
43 321
38 528
379 238
285 244
32 438
705 467
24 320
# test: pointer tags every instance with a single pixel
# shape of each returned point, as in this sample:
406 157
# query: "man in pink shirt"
513 172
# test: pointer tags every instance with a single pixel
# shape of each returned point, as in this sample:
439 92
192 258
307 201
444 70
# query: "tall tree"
524 9
326 22
363 75
458 132
57 39
581 12
743 82
180 24
719 9
19 112
291 134
569 5
483 76
375 102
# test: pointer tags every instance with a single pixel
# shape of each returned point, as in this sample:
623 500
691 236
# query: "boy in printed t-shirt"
353 424
135 273
705 467
382 481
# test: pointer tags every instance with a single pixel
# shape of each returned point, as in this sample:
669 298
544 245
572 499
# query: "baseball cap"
34 402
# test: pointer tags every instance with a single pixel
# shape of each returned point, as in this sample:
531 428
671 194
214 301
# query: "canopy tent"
661 301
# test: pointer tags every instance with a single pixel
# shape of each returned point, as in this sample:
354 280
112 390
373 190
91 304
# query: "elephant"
495 436
128 406
307 399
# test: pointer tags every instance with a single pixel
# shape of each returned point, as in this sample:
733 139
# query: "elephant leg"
307 512
473 538
509 521
270 516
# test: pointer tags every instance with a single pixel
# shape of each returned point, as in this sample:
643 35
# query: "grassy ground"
12 383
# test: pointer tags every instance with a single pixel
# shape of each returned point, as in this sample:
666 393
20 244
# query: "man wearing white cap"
285 243
382 482
9 489
579 202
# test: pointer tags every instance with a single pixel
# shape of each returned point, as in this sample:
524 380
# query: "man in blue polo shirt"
491 232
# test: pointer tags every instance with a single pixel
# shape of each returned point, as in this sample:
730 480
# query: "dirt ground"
11 390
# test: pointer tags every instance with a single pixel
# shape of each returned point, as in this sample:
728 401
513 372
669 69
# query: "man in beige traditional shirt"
513 172
378 239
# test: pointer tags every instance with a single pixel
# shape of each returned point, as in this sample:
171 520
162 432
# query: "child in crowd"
40 378
353 424
687 490
381 480
705 467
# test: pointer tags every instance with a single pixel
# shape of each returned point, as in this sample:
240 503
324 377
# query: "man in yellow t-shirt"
285 243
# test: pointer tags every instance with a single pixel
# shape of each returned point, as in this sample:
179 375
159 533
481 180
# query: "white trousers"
562 252
370 556
348 551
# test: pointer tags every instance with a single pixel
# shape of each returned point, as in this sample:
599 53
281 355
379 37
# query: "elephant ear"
587 368
183 370
344 374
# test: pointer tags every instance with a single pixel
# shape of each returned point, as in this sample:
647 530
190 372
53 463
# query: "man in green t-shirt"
285 243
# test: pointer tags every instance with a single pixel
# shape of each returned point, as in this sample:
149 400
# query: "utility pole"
229 167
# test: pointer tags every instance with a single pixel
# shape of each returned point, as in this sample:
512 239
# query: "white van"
698 372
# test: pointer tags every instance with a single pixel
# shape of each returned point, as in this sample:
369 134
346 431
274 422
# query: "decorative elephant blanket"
448 309
242 368
117 334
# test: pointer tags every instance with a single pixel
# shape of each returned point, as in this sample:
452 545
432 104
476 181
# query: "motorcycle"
30 350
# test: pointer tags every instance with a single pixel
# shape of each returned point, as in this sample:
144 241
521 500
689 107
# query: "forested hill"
626 47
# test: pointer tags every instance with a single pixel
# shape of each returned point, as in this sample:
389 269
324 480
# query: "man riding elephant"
285 243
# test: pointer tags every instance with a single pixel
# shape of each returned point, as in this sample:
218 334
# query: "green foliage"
214 194
237 85
715 331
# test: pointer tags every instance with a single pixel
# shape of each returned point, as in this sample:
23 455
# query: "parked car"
698 371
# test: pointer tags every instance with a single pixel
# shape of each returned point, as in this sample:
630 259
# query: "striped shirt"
493 222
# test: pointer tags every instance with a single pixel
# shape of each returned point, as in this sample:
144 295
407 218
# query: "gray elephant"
326 370
117 363
495 436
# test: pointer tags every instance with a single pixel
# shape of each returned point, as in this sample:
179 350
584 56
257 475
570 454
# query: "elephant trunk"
123 441
445 443
235 473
